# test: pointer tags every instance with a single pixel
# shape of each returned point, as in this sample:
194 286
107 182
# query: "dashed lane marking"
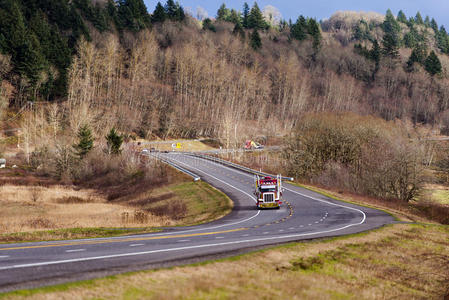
122 240
183 241
136 245
4 256
75 250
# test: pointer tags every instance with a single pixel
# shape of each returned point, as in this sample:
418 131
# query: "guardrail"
175 165
235 166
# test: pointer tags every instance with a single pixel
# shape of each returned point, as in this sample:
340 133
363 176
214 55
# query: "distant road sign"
178 145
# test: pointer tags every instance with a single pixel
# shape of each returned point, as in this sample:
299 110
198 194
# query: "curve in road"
306 215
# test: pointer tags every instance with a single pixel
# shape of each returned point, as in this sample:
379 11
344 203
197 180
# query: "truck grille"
268 198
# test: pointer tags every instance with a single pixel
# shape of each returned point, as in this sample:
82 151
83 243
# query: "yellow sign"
178 145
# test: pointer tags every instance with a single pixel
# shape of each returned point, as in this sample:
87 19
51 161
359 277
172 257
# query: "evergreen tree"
434 25
433 64
313 28
390 25
427 21
235 17
170 9
238 30
391 37
255 40
207 25
375 52
418 55
401 17
442 40
245 15
223 13
174 11
114 142
390 46
159 15
418 19
299 29
85 141
256 19
133 15
411 38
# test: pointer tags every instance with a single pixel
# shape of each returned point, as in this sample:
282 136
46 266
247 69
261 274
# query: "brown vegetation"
360 154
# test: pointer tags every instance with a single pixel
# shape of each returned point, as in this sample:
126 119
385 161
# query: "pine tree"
159 15
427 21
256 19
442 40
299 29
238 30
207 25
418 55
85 141
391 37
235 17
223 13
418 19
313 28
401 17
255 40
170 9
114 142
434 25
433 64
245 15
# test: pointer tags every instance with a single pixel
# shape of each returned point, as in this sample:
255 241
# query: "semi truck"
268 191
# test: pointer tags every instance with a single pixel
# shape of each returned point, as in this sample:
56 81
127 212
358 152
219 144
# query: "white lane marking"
245 235
334 204
183 241
219 237
266 232
252 198
310 197
317 222
291 228
281 230
40 264
136 245
4 256
310 224
301 226
75 250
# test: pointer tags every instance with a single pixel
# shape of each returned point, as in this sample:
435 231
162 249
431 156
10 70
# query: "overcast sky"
322 9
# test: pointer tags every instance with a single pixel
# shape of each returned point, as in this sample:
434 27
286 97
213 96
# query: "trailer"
268 191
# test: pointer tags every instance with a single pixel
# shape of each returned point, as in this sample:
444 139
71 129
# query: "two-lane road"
305 215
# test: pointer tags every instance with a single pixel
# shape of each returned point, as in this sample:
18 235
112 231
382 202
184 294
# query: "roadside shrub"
363 154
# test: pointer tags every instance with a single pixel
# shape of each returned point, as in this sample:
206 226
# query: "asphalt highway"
304 215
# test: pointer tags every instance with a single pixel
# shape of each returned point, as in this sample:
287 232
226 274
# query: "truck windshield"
268 190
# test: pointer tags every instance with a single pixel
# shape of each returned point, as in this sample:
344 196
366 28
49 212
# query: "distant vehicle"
2 163
145 151
252 145
268 191
153 150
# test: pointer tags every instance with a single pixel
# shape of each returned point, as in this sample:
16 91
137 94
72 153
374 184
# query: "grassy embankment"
36 208
59 214
398 261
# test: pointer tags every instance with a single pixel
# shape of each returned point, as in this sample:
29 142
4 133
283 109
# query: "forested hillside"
166 74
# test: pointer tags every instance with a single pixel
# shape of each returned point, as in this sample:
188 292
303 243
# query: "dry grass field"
395 262
33 209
